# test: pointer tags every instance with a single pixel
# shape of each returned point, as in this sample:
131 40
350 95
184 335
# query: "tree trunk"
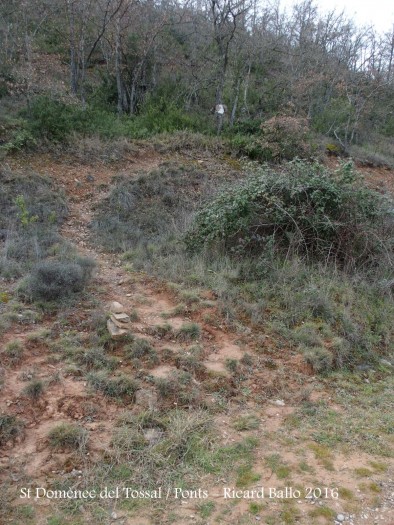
246 88
73 54
118 72
235 105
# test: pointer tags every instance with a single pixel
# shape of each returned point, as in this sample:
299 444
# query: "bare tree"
88 22
226 16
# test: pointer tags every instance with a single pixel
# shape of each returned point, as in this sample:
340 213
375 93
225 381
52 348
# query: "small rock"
114 330
340 518
114 516
90 178
384 362
119 324
279 403
116 308
122 317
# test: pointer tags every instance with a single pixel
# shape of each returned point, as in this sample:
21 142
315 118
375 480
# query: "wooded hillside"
169 63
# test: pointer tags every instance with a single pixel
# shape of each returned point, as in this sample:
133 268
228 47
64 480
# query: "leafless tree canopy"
256 59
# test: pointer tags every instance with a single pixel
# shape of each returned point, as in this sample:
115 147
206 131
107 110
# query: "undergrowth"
140 213
31 210
300 252
303 210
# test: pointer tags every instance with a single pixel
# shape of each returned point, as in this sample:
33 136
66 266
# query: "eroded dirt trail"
84 188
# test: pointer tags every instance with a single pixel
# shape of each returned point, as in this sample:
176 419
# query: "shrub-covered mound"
301 252
313 252
305 210
280 138
52 280
31 209
152 208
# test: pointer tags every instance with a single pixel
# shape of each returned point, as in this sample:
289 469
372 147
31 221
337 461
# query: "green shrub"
31 209
121 386
141 212
279 138
13 351
160 114
51 119
320 359
188 332
34 389
321 288
96 358
53 280
10 428
140 348
249 146
67 435
21 139
55 121
247 127
178 387
304 210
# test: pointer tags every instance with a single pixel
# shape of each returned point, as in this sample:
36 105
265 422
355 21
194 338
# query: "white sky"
379 13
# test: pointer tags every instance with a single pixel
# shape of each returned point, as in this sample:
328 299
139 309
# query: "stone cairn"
119 322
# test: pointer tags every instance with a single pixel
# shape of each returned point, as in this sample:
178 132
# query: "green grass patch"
206 508
246 422
323 512
278 467
69 436
323 455
189 332
10 428
120 387
246 476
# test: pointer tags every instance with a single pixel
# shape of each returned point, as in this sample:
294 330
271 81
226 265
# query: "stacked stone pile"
119 322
